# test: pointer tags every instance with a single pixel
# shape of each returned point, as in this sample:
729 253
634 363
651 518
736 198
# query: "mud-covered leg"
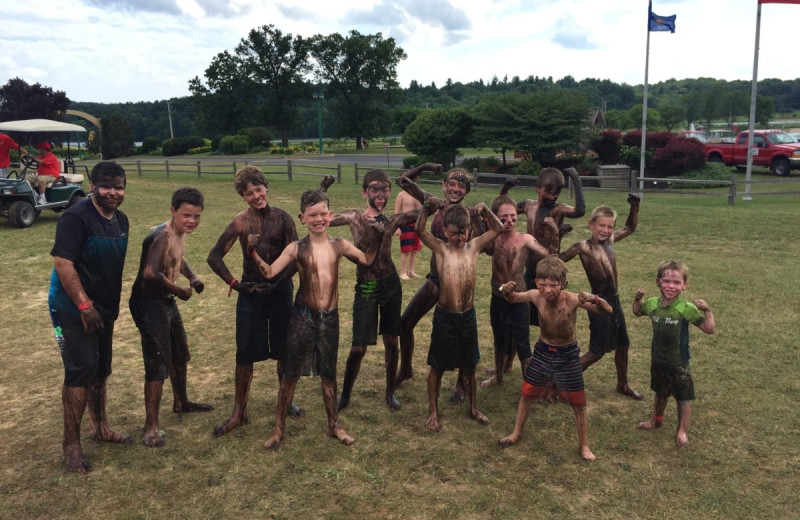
329 398
523 411
351 370
423 301
152 436
295 412
73 399
243 378
99 430
391 355
180 401
621 363
471 384
285 396
434 383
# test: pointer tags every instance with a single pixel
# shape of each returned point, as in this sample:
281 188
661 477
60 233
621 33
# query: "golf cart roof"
39 125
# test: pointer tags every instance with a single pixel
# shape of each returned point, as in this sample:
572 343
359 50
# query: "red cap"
45 145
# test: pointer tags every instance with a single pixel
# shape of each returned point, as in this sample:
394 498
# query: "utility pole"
319 97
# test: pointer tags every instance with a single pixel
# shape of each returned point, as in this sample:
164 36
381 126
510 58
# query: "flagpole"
751 128
644 106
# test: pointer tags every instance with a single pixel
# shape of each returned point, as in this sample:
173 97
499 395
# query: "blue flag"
659 23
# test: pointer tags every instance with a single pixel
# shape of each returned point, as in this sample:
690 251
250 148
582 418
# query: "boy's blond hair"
603 211
552 268
673 265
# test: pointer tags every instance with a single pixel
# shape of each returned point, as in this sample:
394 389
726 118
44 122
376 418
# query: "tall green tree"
116 137
18 100
671 115
538 123
222 103
437 134
360 73
274 64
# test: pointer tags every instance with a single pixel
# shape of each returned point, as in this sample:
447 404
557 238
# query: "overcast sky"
147 50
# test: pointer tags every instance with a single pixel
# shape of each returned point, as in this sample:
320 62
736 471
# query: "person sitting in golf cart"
49 170
6 145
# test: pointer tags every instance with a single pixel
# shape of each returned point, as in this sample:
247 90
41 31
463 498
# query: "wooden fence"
618 180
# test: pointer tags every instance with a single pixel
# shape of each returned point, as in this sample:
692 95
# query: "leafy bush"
150 143
234 144
678 156
482 164
199 150
258 135
181 145
411 161
527 167
607 146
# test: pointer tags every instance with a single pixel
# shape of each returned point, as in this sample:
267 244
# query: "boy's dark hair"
187 195
552 268
375 175
456 215
107 169
501 200
249 174
458 174
311 197
550 177
673 265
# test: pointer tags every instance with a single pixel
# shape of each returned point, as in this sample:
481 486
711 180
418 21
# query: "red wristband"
596 298
658 418
230 287
252 252
85 305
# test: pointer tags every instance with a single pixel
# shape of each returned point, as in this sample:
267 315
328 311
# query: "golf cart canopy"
39 125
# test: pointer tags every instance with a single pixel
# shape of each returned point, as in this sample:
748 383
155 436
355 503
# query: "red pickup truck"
774 149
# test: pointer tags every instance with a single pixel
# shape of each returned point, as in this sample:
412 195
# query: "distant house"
596 119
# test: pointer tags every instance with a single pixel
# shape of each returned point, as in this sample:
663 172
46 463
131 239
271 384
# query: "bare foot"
508 440
652 424
478 416
339 433
489 382
154 440
295 412
404 276
106 434
630 392
586 454
433 423
75 461
189 406
273 442
458 395
232 422
393 403
682 439
414 275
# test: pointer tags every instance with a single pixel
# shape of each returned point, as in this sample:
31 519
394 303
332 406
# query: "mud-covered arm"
71 281
408 180
486 239
571 252
152 273
637 303
426 237
580 202
194 280
594 303
218 252
709 324
632 221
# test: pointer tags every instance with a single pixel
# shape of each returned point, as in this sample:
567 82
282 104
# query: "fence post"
289 169
198 169
732 194
339 173
475 178
139 167
234 168
166 165
355 168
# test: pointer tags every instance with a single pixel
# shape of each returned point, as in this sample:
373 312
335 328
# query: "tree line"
280 81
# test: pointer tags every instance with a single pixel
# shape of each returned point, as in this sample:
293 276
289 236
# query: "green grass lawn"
741 463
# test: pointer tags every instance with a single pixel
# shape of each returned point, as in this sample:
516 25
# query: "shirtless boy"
510 320
314 324
548 187
378 286
454 338
556 354
409 239
607 333
670 368
455 186
152 304
263 306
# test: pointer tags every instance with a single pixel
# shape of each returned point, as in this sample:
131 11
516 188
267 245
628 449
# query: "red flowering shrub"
678 156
